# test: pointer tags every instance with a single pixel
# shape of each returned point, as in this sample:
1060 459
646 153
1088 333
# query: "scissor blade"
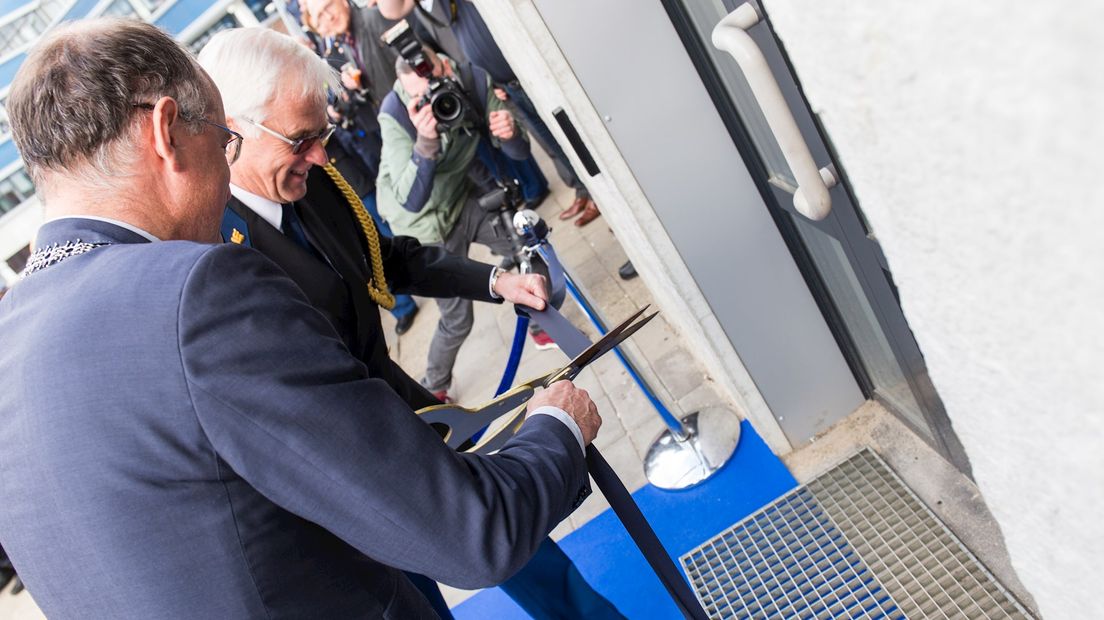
597 348
603 346
613 343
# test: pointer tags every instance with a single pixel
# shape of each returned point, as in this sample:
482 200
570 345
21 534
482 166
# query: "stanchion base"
713 435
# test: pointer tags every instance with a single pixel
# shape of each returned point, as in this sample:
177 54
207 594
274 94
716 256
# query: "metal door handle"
811 198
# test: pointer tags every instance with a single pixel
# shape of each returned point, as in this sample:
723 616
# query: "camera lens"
447 107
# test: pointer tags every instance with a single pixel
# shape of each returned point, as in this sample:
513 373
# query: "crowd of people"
231 438
376 158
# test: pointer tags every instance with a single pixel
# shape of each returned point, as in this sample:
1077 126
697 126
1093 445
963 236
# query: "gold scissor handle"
464 422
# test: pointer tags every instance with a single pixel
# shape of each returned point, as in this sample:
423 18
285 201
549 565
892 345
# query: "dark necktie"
293 228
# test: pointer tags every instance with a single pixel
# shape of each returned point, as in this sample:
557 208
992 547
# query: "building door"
839 255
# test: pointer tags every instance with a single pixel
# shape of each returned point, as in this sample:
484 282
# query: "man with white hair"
310 229
184 435
287 206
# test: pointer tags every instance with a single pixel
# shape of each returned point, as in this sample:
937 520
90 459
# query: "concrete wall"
971 135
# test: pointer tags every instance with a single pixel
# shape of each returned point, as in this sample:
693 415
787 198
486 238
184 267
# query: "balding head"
72 104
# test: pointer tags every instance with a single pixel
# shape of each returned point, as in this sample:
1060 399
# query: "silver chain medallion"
55 253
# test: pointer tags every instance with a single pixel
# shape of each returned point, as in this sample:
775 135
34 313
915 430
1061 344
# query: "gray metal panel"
636 72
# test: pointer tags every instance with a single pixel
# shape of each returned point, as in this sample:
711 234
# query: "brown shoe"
590 213
576 208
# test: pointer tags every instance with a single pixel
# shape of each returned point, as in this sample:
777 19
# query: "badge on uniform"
234 229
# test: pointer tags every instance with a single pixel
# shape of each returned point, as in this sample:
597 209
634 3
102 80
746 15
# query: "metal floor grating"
853 543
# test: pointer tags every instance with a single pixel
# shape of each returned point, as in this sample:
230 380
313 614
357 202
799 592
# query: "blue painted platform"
610 561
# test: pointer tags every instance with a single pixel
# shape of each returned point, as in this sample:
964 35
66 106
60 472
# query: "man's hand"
395 9
501 94
501 123
350 76
422 119
527 289
575 402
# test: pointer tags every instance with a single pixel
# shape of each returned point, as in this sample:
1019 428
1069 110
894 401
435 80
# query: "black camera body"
349 105
444 95
506 196
446 98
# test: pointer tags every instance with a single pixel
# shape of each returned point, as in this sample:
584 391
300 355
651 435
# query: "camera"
506 196
348 105
444 95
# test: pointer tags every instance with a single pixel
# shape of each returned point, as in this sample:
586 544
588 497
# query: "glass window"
261 9
26 28
9 198
19 260
120 8
228 21
5 126
150 5
14 190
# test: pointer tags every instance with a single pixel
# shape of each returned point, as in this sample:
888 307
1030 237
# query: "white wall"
971 132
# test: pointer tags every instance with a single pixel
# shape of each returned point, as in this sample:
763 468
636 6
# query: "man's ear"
166 119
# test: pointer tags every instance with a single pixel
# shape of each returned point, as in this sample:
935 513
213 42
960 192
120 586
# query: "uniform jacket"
182 435
334 277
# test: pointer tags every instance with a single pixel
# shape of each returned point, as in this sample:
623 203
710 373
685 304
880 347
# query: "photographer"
425 190
429 184
479 46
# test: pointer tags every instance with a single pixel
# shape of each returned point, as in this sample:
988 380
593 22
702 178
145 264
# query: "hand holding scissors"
464 422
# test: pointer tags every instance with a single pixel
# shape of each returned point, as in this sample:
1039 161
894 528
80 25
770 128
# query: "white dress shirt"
131 227
271 212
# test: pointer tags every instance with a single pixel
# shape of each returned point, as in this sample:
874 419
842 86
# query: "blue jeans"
404 304
527 172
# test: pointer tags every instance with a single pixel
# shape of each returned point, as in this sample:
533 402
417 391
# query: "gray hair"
249 64
72 103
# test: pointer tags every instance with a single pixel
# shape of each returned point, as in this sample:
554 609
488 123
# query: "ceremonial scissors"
463 423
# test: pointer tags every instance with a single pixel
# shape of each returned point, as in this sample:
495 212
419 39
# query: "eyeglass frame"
297 145
235 137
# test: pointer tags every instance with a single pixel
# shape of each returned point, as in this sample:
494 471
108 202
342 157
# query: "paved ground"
592 255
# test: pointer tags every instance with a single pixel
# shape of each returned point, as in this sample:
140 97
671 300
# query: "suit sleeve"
283 403
431 271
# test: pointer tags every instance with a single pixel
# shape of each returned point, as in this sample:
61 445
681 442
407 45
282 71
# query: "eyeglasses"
302 144
232 146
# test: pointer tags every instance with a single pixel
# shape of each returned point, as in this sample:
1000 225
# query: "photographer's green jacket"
423 184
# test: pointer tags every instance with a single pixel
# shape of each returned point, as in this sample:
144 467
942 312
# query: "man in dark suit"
287 206
334 264
185 436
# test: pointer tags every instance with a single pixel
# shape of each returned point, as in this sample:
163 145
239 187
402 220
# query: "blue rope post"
673 423
670 420
508 375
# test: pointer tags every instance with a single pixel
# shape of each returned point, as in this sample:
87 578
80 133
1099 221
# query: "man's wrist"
496 272
428 148
562 416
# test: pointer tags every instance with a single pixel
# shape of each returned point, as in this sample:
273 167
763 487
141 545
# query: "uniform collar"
267 210
90 229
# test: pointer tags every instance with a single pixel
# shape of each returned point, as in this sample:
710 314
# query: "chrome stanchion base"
712 435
